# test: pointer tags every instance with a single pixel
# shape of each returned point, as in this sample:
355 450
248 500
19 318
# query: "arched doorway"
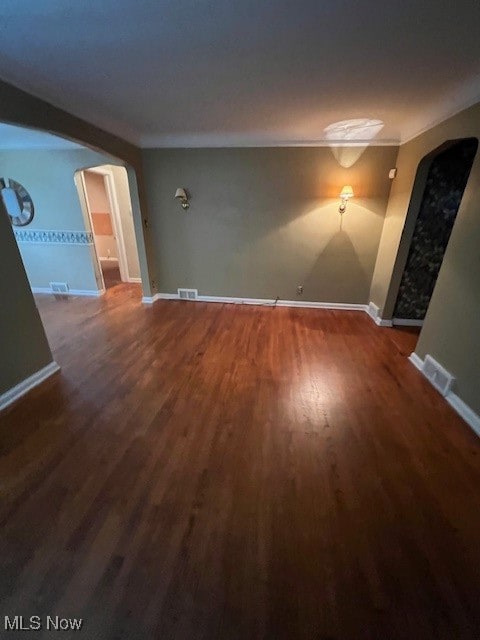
442 177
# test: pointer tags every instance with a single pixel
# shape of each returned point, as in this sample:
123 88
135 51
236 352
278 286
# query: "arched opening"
46 246
438 189
55 234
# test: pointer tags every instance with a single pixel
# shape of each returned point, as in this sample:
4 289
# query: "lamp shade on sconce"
347 192
181 194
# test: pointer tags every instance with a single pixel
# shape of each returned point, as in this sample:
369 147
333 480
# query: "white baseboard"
159 296
381 322
26 385
406 322
462 409
70 292
374 312
339 306
135 280
416 361
260 301
107 259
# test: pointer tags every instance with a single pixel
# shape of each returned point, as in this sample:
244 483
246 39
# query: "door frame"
109 182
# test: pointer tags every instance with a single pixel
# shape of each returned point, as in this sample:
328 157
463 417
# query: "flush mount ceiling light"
348 139
355 130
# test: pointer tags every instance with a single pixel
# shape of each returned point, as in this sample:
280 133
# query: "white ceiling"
20 138
245 72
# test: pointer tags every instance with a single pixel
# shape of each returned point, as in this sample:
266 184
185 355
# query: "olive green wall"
264 220
451 331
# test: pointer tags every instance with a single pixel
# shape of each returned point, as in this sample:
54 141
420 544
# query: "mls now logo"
33 623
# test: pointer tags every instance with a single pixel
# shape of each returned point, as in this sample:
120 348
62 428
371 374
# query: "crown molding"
465 96
213 141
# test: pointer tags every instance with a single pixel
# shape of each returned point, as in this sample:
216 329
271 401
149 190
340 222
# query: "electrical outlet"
299 289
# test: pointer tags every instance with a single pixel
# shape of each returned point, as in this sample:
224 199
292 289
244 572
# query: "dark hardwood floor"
208 471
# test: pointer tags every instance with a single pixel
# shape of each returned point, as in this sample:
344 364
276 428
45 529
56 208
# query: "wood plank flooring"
207 471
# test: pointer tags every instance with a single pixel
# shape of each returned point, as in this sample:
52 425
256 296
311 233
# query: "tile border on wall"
52 236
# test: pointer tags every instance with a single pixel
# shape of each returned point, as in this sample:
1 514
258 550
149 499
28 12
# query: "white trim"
458 100
135 280
340 306
96 260
406 322
374 312
109 183
464 411
23 387
109 180
159 296
107 259
459 406
381 322
416 361
230 140
70 292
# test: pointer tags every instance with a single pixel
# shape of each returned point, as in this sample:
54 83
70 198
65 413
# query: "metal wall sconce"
345 195
181 195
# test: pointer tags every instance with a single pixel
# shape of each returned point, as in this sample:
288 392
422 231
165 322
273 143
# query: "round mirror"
17 202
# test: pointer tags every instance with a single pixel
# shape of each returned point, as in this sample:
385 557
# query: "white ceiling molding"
464 96
225 140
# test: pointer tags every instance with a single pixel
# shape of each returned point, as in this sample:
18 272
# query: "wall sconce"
345 195
181 194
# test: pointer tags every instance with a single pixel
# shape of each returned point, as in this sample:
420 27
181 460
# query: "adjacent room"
57 199
240 356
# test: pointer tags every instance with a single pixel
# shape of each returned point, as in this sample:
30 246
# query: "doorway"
445 184
107 201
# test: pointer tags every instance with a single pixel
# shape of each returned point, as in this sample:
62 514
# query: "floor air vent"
59 287
187 294
438 376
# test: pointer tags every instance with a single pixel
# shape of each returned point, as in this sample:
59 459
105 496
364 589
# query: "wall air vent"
440 378
187 294
59 287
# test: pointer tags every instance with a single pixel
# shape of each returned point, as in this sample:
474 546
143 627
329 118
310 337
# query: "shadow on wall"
333 272
331 255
